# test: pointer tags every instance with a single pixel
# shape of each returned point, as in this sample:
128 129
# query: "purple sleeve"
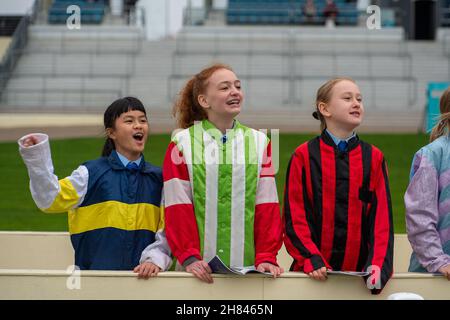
422 214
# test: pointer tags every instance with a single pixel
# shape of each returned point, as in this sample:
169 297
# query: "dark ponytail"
108 147
113 112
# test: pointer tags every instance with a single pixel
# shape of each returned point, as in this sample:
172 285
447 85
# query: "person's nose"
137 125
234 91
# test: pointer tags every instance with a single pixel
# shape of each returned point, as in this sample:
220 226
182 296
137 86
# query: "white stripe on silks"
266 191
183 141
211 195
177 191
260 142
79 179
238 201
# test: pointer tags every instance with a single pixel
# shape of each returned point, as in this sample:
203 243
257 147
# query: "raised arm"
50 194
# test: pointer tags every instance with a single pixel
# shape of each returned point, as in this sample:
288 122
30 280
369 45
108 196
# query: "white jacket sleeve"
50 194
159 252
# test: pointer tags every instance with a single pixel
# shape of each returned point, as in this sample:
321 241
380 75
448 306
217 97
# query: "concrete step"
88 39
85 64
307 32
66 83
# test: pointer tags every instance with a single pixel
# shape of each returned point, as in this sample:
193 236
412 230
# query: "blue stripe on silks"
110 248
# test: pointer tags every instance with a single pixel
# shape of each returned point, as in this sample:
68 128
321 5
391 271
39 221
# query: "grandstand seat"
91 12
284 12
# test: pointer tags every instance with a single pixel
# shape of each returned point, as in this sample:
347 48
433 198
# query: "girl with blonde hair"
427 200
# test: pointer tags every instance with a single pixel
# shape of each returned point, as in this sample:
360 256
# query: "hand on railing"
201 270
146 270
319 274
445 270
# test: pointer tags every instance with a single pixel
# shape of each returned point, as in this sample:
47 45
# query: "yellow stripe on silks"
114 214
66 199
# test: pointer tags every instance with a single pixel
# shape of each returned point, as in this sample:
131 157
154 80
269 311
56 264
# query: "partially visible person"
330 13
310 11
116 221
427 200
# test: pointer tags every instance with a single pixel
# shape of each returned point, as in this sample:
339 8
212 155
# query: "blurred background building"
281 49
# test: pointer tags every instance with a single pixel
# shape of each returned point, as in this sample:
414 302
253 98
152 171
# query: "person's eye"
347 98
144 120
238 87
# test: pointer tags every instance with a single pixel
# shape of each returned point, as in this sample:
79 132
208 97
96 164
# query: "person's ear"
323 109
203 101
110 133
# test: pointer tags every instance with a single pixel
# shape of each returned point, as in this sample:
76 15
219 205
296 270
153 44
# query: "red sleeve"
268 226
299 235
381 231
181 225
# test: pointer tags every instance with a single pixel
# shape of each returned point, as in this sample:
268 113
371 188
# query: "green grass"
18 211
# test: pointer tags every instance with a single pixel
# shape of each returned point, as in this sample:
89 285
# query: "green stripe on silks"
224 202
199 177
251 178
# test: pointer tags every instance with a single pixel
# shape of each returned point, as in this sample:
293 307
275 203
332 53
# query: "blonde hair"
324 95
444 119
186 109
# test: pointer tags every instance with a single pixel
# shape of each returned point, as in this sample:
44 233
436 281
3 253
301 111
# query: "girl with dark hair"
116 221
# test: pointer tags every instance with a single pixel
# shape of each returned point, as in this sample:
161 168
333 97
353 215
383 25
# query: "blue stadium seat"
284 12
91 12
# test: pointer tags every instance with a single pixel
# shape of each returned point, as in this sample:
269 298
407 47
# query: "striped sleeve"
422 212
181 226
50 194
268 226
381 231
297 211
